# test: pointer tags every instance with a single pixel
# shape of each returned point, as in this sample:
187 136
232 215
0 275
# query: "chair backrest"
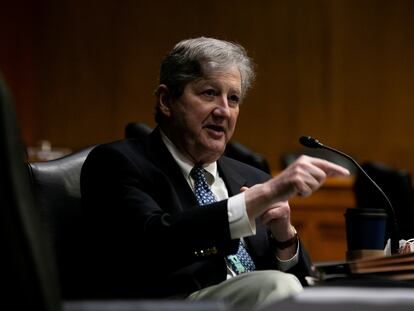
56 185
243 154
27 270
136 129
397 185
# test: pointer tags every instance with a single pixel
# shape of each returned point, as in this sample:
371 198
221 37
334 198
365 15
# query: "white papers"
339 294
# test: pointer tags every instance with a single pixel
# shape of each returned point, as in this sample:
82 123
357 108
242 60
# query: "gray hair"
192 59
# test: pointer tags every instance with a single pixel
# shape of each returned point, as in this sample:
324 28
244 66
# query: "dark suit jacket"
146 237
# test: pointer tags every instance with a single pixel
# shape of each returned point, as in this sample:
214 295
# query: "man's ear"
163 100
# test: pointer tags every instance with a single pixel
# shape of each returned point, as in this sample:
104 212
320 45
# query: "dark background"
341 70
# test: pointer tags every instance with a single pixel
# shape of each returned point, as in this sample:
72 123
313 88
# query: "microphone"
313 143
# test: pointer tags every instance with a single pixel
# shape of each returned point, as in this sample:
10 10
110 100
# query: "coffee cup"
365 232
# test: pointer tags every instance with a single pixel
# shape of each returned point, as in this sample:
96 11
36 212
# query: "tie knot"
198 172
202 190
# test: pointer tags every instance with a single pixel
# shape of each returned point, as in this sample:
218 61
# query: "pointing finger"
331 169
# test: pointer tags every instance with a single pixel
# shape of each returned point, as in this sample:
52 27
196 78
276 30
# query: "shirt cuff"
240 225
285 265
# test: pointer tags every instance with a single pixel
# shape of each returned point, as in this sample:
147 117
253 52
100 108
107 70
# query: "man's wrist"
280 245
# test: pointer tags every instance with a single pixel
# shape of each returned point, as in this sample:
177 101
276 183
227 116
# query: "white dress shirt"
240 225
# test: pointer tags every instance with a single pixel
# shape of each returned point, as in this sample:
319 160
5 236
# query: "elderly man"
169 216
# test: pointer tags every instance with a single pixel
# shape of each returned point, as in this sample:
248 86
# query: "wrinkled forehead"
226 80
212 67
214 72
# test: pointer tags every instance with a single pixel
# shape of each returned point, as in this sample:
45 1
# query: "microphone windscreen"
309 142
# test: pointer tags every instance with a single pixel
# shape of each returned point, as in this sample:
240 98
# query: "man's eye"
209 92
234 99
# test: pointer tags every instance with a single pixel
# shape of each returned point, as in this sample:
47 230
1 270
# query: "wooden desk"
320 220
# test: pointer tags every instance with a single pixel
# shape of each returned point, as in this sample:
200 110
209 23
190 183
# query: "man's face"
203 118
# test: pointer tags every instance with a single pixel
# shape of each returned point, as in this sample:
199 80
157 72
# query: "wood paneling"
320 221
16 60
339 70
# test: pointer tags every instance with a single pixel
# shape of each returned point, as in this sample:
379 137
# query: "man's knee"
253 289
276 285
279 280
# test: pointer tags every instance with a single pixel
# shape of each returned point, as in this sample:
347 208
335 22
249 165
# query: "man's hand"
302 177
277 217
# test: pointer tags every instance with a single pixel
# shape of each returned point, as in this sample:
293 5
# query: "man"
169 216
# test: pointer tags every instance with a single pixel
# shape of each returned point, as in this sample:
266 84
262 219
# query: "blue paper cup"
365 231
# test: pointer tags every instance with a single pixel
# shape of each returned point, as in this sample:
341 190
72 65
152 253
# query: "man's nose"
223 108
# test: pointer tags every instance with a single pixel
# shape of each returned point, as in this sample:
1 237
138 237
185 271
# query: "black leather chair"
56 186
243 154
233 150
136 129
397 185
57 195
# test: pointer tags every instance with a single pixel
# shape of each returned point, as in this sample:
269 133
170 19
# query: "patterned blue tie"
241 262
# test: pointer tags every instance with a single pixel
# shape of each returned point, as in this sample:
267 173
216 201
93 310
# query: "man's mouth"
216 130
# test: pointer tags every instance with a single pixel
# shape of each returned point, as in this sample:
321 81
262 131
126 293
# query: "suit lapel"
162 158
233 180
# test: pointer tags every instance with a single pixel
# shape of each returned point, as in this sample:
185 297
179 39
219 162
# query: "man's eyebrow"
213 83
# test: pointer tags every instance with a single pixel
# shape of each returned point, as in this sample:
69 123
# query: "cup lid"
375 212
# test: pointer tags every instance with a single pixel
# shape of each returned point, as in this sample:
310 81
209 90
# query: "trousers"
252 290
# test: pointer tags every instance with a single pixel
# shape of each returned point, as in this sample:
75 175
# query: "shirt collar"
185 164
